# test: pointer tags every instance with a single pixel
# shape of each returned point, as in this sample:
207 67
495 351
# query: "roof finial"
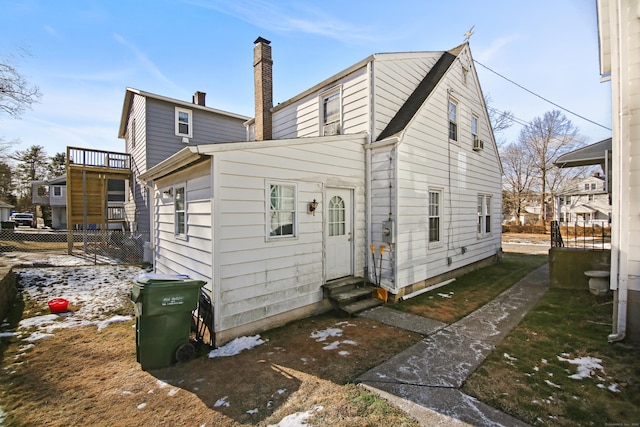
468 34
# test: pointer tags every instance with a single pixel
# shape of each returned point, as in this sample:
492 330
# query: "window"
133 133
184 126
586 186
331 112
568 200
484 214
590 197
561 200
453 121
116 190
57 191
474 128
593 186
337 213
180 211
434 216
282 210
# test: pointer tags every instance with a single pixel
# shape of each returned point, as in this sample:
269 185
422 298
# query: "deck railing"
98 158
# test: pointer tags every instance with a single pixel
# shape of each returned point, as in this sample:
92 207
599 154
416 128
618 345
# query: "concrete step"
346 297
341 285
361 305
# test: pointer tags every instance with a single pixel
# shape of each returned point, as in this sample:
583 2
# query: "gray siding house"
155 127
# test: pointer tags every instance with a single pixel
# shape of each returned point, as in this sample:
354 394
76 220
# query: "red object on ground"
58 305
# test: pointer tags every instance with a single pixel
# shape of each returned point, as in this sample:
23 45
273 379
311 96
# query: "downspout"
619 255
150 186
368 175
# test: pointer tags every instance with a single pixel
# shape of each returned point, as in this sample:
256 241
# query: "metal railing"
113 246
581 234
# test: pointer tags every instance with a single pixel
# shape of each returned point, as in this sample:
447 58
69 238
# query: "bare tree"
500 120
544 139
16 94
518 167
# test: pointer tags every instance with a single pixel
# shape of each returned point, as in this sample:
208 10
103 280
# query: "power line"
541 97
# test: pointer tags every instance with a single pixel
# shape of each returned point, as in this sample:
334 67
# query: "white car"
22 219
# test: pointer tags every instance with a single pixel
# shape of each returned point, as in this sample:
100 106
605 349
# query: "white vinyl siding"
304 117
259 277
191 254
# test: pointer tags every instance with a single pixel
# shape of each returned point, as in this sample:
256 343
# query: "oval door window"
336 216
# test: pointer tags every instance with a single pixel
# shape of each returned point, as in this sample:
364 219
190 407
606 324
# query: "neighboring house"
155 127
619 32
395 151
584 202
5 211
55 195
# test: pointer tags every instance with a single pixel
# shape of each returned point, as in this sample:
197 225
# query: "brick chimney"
263 86
198 98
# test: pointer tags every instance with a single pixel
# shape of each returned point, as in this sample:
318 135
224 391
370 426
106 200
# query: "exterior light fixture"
312 207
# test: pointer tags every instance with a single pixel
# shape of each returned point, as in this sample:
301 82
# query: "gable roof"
5 205
594 154
128 99
420 94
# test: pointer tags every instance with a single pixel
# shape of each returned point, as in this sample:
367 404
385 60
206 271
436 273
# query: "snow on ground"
297 419
588 367
94 293
236 346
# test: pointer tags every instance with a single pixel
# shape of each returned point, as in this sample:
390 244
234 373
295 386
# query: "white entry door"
339 223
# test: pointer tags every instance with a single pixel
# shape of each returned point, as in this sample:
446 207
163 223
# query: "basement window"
184 119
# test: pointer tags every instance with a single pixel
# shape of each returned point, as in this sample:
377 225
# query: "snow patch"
586 366
326 333
221 402
115 319
236 346
298 419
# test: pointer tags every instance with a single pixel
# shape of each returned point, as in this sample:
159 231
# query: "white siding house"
395 151
619 37
584 202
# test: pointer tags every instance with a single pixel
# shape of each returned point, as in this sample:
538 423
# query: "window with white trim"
180 211
282 210
133 133
57 191
474 128
484 214
184 122
435 198
453 120
331 106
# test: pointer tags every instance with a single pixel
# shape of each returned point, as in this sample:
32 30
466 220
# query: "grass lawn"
533 375
466 294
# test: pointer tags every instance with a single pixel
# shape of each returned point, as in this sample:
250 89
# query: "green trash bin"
163 306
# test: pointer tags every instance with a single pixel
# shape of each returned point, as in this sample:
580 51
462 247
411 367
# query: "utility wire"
541 97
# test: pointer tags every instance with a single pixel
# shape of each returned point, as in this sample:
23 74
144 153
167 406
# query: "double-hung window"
282 210
453 120
435 199
184 122
331 106
180 212
484 214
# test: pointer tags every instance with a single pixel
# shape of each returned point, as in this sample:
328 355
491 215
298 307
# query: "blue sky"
84 54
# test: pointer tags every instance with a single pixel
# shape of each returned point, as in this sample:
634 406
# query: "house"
618 33
584 202
5 210
109 201
52 193
155 127
395 151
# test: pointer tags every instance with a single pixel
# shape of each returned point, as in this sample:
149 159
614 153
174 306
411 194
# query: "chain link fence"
117 246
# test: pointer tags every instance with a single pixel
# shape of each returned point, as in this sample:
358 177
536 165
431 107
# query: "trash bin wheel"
185 352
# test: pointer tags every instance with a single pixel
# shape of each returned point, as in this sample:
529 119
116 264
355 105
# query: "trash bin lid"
155 277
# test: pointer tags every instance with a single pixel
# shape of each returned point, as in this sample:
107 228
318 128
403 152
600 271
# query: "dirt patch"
85 377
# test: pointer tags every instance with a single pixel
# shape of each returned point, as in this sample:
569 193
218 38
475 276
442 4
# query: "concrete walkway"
427 376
